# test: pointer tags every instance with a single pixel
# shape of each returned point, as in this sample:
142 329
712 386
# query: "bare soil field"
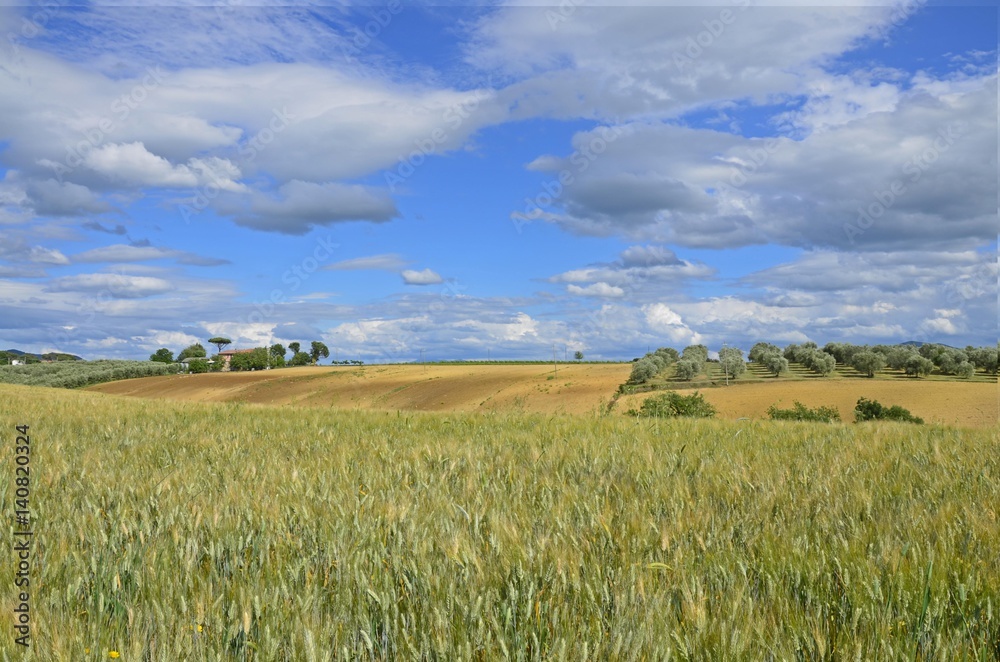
576 389
967 404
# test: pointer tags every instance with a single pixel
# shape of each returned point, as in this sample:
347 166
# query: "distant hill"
50 356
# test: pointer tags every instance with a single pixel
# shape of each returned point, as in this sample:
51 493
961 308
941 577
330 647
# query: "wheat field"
186 531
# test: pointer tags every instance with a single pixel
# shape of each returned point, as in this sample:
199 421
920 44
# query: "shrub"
799 412
198 365
218 363
872 410
253 360
673 404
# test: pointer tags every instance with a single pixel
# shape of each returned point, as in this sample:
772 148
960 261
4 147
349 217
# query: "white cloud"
14 248
115 286
126 253
667 323
939 326
639 269
615 61
383 262
926 175
425 277
600 289
299 206
133 164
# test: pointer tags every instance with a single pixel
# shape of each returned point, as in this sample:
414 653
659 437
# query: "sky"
506 181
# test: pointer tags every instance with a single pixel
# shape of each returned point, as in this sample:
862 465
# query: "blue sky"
497 179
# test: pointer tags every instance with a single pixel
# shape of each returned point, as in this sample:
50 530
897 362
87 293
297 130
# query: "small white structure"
186 363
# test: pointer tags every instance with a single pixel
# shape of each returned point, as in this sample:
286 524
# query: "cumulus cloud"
668 323
926 176
425 277
133 164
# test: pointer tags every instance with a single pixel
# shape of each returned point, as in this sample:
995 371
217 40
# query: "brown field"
975 404
578 389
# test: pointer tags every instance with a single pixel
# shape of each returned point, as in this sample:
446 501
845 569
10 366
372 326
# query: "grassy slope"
288 533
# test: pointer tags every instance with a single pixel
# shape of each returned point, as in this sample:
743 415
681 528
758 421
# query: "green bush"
198 365
799 412
872 410
671 404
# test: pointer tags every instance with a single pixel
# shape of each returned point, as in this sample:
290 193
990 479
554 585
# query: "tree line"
259 358
915 361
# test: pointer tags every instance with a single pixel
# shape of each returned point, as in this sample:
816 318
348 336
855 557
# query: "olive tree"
687 369
868 362
761 350
775 364
642 371
731 361
917 365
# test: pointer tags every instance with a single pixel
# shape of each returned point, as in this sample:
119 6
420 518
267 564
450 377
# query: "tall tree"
295 347
318 351
220 342
192 351
299 358
162 355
